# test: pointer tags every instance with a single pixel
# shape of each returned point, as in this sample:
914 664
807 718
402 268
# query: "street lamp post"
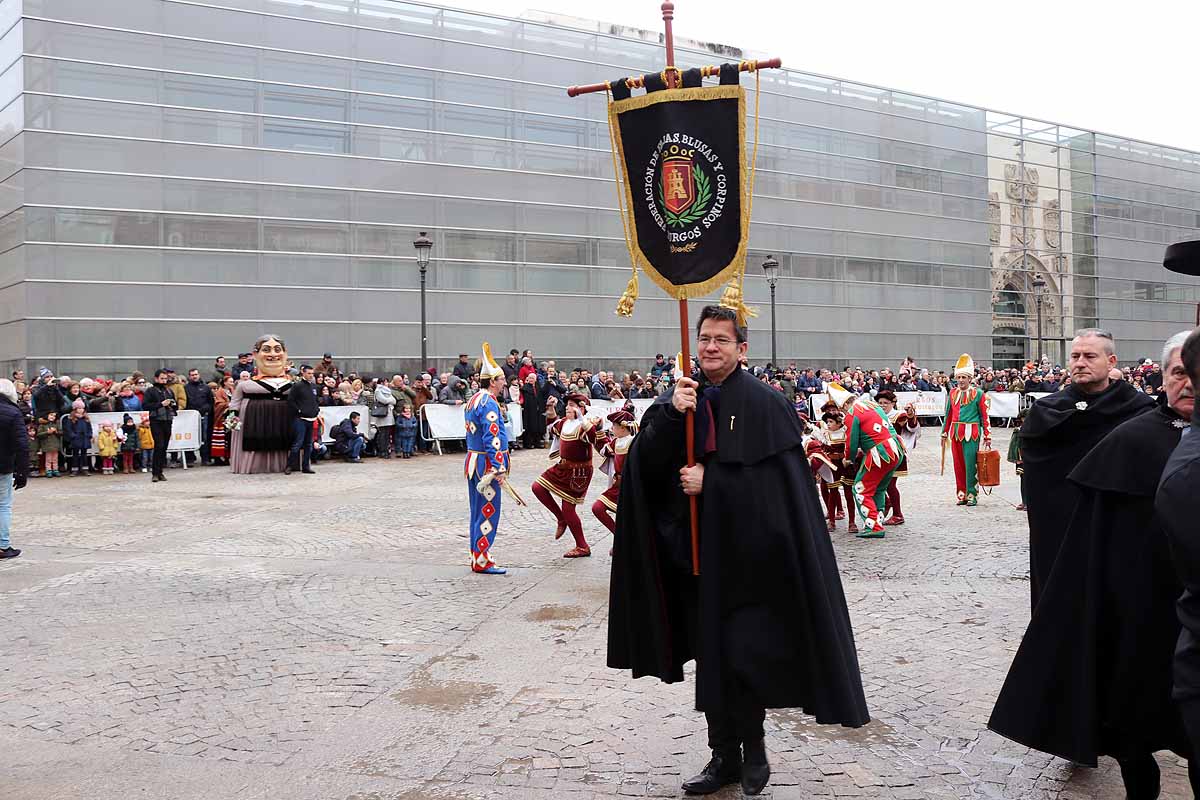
770 268
1039 287
423 245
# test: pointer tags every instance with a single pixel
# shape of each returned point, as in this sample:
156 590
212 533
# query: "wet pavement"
322 637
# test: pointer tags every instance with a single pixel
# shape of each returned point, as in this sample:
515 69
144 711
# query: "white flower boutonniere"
1082 405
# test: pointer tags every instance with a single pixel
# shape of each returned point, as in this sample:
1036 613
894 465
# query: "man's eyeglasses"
719 341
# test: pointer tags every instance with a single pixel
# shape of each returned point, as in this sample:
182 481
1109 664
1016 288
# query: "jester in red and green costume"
869 431
965 426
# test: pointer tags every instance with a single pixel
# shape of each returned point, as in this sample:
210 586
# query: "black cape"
767 613
1178 504
1093 674
1055 437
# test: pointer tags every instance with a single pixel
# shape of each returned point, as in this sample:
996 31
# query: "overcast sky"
1129 69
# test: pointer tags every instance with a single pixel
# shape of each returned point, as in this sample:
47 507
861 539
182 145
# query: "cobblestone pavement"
321 637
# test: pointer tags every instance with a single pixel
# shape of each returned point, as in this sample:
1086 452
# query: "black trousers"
161 428
739 723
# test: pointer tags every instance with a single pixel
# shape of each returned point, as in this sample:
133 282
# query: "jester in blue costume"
487 463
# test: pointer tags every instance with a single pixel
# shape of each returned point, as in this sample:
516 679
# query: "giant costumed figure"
965 426
486 467
258 415
869 431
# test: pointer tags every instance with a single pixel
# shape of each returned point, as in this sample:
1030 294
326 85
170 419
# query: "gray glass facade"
179 177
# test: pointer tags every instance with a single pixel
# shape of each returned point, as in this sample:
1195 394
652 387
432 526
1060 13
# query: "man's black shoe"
755 777
287 470
9 552
160 478
309 471
721 771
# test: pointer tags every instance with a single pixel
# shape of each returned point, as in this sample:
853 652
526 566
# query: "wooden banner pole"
685 341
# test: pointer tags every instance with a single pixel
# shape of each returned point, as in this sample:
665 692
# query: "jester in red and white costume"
575 437
870 433
614 449
826 450
966 424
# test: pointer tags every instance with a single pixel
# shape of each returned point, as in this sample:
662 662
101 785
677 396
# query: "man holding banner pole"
766 620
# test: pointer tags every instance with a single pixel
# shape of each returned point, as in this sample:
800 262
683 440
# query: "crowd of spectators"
56 408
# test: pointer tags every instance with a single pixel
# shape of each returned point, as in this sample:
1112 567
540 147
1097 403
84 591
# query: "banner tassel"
625 304
733 299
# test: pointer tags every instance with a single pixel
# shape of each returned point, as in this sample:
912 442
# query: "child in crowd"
78 431
1014 457
129 444
107 445
408 432
49 436
31 430
145 440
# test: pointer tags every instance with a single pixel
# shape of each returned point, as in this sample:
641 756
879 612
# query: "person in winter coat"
78 432
145 440
129 445
107 446
49 437
347 440
384 418
406 427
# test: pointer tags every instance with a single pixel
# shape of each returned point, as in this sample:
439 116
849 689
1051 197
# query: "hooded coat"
767 612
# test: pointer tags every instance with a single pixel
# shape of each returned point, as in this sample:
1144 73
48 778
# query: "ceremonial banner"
682 162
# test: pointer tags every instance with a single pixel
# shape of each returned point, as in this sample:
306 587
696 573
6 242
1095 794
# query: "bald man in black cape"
1058 432
1093 673
766 620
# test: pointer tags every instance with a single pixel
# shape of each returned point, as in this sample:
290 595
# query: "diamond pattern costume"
487 459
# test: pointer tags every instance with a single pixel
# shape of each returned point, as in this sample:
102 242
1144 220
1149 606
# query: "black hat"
328 355
1183 257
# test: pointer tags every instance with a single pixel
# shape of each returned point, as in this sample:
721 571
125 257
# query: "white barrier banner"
449 423
928 404
1004 404
185 428
332 416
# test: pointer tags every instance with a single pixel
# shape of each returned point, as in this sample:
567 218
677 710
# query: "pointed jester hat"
965 366
489 369
840 394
